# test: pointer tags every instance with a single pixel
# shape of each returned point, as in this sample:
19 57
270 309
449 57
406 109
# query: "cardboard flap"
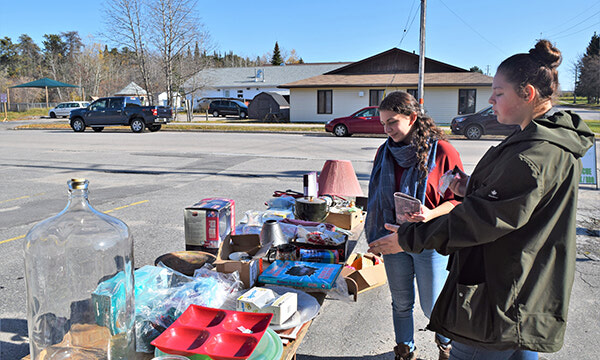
372 276
346 271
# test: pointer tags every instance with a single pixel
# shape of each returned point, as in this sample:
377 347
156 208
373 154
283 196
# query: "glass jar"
79 275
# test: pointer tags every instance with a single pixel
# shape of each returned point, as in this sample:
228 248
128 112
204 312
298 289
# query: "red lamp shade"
338 178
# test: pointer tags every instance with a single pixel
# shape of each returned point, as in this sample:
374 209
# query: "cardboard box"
345 220
342 249
248 270
109 301
367 274
208 222
283 307
263 300
255 300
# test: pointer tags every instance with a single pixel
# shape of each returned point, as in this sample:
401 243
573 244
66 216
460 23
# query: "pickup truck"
118 111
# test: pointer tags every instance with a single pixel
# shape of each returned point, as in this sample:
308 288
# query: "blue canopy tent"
43 83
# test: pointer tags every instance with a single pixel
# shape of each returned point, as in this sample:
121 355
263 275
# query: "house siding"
441 103
233 92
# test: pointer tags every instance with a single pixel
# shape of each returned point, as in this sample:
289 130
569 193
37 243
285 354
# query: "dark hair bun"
545 53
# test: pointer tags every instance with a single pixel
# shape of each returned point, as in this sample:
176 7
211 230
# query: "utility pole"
420 93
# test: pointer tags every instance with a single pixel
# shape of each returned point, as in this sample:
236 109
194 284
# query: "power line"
576 32
473 29
567 29
405 32
586 11
408 26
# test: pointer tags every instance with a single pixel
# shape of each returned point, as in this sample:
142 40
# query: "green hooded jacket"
512 240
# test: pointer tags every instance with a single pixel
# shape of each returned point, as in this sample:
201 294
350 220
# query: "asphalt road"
148 179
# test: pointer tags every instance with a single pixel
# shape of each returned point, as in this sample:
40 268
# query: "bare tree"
177 29
128 26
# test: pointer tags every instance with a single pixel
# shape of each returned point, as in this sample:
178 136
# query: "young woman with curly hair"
412 160
512 238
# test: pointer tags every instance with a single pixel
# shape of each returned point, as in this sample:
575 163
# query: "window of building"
414 93
324 101
375 97
240 94
466 101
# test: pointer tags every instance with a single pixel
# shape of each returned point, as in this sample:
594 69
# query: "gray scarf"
382 185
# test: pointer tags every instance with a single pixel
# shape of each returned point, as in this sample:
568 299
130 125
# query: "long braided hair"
424 131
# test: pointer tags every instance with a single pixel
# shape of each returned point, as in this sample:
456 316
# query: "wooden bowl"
186 262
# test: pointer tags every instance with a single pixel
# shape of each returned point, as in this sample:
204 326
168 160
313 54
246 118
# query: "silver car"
64 109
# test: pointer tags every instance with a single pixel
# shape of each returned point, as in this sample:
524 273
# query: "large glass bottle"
80 293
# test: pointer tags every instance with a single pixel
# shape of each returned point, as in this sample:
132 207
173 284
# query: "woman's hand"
387 244
458 185
424 216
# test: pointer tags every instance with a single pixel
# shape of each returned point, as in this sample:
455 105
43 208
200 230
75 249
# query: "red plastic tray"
219 334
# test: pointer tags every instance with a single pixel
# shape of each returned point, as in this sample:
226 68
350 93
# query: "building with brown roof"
449 90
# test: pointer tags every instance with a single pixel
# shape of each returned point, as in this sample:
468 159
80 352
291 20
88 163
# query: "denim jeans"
429 268
465 352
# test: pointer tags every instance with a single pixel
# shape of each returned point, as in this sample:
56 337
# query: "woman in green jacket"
512 239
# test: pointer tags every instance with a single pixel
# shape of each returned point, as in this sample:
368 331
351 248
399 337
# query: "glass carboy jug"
79 275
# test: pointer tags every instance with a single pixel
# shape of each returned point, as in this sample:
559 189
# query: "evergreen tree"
29 57
476 69
197 52
593 48
588 83
8 56
276 59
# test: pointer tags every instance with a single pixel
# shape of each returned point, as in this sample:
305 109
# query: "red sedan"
364 121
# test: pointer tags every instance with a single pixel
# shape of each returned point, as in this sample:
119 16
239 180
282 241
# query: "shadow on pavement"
19 346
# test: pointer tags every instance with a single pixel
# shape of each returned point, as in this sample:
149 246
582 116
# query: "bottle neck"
78 198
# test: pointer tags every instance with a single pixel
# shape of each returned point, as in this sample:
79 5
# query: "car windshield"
239 103
366 112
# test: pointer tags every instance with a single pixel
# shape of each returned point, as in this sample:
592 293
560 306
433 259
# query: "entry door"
97 112
114 112
366 121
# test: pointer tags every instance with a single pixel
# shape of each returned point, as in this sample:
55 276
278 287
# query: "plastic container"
218 334
79 275
268 348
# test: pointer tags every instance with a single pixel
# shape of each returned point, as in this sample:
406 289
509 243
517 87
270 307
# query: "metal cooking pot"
311 209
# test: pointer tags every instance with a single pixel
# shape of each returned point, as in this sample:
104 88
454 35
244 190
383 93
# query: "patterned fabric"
382 185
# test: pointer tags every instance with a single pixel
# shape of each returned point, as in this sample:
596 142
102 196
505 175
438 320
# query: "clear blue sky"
461 33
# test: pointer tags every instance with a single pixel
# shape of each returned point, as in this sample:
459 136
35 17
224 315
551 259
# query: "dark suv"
483 122
228 107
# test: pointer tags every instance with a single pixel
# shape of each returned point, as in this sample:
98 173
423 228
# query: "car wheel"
98 128
78 125
215 113
473 132
340 130
154 128
53 115
242 114
137 125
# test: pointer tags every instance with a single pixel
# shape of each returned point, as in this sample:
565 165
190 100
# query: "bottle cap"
78 184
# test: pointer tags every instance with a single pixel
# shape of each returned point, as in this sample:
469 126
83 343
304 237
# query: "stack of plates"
269 348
